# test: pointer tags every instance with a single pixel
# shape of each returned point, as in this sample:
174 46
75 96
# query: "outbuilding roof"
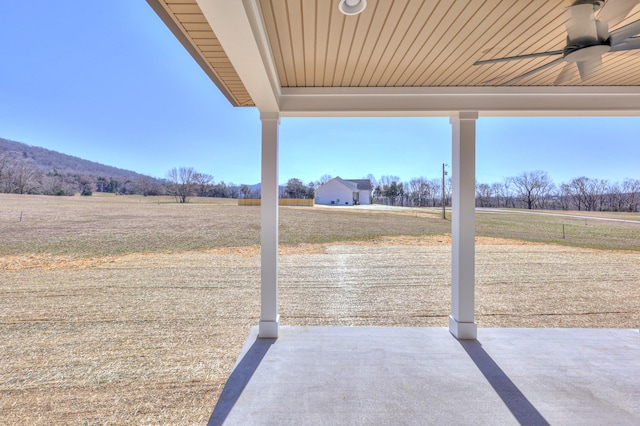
354 184
362 184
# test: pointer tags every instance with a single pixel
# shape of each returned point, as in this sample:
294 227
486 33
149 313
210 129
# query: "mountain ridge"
53 161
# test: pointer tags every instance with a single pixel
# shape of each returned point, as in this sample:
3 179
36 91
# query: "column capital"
270 116
463 115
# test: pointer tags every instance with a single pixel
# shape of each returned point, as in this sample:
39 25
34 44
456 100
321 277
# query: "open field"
133 310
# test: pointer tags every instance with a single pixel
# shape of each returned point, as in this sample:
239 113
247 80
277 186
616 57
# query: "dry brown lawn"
147 331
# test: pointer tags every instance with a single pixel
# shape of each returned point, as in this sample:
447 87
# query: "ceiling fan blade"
514 58
581 23
568 72
533 71
622 34
629 44
614 11
589 68
602 29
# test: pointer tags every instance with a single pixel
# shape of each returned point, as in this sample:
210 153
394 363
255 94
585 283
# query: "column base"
268 329
463 330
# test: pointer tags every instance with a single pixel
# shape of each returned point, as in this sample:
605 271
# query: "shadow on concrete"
238 380
524 412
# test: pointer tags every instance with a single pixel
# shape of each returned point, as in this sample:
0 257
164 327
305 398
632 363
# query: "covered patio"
418 376
320 58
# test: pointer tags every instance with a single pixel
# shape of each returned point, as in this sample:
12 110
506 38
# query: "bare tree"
507 192
588 194
147 186
597 193
484 195
245 190
181 183
563 197
434 191
620 197
532 187
499 194
419 191
202 181
6 171
576 188
448 190
615 198
220 190
386 180
631 187
18 174
324 179
234 191
373 180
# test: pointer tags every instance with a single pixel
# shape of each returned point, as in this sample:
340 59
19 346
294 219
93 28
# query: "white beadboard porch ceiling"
397 43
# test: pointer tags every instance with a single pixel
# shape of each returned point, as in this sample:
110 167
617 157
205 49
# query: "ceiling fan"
588 38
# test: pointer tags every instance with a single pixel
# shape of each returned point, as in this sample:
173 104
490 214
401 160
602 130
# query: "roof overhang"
257 51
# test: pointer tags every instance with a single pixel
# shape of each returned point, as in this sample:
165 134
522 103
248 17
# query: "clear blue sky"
108 82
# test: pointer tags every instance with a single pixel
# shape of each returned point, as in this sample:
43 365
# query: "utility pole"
444 192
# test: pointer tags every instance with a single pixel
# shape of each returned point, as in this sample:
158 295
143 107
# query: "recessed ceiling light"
352 7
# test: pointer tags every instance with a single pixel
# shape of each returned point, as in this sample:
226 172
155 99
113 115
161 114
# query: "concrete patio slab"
418 376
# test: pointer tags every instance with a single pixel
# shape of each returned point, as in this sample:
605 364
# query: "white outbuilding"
343 192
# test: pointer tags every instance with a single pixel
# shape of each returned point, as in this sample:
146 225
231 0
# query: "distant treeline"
529 190
21 174
31 170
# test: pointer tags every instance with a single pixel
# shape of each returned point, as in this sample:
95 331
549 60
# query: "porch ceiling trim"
443 101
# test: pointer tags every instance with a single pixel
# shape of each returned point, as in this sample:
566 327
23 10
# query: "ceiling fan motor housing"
591 45
585 53
597 4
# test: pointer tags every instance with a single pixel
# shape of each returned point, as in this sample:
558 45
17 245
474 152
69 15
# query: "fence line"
297 202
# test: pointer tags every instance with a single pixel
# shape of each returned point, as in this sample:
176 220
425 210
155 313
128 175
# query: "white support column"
462 320
269 318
